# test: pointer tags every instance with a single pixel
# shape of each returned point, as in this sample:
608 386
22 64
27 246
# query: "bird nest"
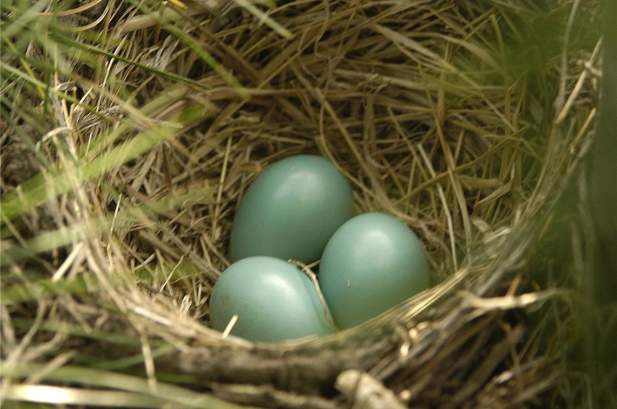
122 170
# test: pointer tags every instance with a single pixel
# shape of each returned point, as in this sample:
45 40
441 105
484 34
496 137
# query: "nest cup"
426 123
420 105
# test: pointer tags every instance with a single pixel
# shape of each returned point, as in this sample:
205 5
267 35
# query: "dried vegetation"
131 130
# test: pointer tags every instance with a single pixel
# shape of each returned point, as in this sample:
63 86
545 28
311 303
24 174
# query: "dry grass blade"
264 18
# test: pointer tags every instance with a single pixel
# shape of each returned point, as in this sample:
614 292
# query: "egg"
291 210
372 263
273 300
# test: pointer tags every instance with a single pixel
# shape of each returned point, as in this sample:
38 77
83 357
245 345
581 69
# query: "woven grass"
132 130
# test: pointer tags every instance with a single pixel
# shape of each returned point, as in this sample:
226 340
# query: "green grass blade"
71 234
98 378
39 190
42 288
99 51
78 331
191 43
38 84
59 395
24 19
264 18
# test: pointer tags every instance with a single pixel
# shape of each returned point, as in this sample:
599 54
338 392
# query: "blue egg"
291 210
372 263
273 300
